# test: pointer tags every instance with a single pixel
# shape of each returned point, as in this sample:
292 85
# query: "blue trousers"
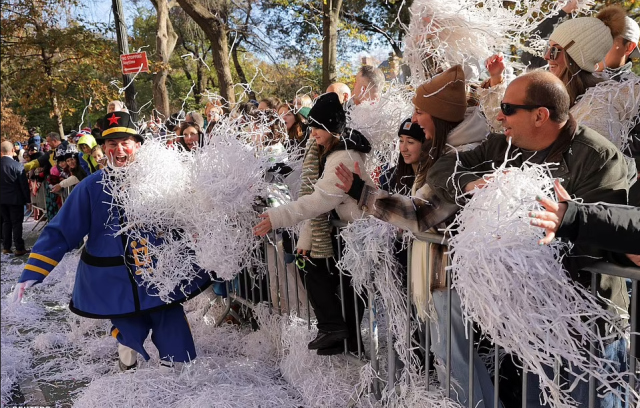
483 386
170 333
616 352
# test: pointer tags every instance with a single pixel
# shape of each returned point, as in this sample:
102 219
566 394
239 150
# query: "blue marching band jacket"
108 281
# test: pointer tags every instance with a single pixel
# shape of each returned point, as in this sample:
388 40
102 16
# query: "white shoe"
127 358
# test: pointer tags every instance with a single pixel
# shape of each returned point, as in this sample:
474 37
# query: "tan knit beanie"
588 39
445 96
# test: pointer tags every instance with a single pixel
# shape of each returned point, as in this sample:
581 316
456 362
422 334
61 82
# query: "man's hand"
264 227
18 292
551 219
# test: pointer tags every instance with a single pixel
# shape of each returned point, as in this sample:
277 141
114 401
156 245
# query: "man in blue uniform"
108 282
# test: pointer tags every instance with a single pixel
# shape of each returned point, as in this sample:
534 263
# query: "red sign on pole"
134 63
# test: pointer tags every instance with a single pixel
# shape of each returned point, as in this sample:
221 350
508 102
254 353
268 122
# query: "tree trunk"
166 40
57 115
330 18
53 94
214 26
201 80
240 71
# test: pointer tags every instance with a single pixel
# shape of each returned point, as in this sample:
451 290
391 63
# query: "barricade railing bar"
253 286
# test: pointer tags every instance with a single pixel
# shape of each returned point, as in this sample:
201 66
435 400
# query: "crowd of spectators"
447 143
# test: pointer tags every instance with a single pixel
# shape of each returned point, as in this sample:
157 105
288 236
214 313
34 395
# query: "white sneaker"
127 358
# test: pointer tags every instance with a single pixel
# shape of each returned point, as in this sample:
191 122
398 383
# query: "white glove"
18 292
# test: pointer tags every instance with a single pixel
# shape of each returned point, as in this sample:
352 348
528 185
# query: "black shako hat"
412 130
327 113
118 125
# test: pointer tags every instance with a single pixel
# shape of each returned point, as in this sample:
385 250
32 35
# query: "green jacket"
590 167
90 141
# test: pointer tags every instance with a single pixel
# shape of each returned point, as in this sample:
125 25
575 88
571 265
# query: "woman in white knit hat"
576 47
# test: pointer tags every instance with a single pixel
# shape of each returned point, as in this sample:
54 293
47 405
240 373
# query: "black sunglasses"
509 109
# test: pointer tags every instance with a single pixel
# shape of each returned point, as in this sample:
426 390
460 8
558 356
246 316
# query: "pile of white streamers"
200 202
443 33
517 290
612 108
379 122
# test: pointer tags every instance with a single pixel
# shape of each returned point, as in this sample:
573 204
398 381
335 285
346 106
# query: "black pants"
12 226
323 289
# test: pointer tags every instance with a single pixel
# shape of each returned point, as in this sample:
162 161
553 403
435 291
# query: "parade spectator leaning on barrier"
610 227
98 155
76 172
108 280
86 143
441 123
331 143
14 190
539 129
191 136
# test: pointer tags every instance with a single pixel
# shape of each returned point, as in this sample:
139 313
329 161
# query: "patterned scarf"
321 245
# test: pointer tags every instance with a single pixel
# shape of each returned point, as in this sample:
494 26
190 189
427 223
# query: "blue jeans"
615 352
483 386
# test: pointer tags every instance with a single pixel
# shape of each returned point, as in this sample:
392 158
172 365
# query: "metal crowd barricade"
39 203
600 268
251 287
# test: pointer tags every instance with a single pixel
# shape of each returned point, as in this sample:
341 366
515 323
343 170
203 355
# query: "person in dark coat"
14 190
612 228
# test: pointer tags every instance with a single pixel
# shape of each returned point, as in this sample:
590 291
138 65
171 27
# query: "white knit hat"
632 33
586 39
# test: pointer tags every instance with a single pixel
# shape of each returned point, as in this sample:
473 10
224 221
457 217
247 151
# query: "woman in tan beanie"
449 125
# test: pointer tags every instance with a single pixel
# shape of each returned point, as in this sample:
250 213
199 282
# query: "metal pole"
409 344
278 295
449 333
524 387
295 275
471 377
592 348
427 321
358 334
266 258
123 46
634 339
342 299
496 378
373 330
391 360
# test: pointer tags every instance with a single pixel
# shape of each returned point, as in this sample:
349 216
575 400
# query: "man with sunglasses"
539 129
